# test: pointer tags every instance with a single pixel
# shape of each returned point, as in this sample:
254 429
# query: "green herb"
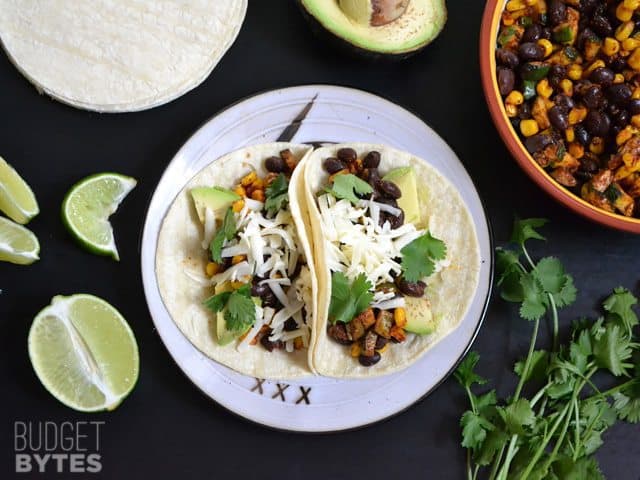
277 194
240 310
563 34
612 193
561 152
348 300
506 36
529 89
553 423
226 232
525 21
419 257
345 185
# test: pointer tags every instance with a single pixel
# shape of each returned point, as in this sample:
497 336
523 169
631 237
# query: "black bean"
533 33
269 299
556 75
593 97
537 142
372 176
619 93
390 189
290 325
558 118
371 160
617 63
333 165
506 80
546 33
396 221
557 11
621 119
604 76
268 344
564 102
524 112
259 290
597 123
588 163
381 342
368 361
530 51
339 333
384 217
581 134
581 87
634 106
587 6
601 26
412 289
347 155
275 164
507 58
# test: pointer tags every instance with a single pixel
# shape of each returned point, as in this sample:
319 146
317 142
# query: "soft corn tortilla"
449 291
118 55
180 258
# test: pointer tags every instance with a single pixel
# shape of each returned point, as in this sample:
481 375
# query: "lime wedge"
17 243
16 198
84 352
89 204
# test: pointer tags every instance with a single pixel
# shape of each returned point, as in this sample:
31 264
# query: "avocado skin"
353 50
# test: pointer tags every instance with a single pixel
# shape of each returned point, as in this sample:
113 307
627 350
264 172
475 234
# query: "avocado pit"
374 13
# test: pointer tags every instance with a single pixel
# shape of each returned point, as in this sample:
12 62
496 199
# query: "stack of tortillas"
118 55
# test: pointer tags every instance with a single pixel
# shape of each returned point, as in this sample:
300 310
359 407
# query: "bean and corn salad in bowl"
568 75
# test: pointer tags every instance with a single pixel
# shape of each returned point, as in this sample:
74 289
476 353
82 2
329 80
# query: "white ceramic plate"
338 114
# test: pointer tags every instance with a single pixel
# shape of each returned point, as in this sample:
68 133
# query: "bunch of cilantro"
550 427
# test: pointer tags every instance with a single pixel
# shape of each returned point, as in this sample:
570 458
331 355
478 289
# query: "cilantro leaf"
277 194
621 303
465 372
534 304
611 350
537 367
517 415
226 232
419 257
567 294
217 302
490 446
510 270
344 185
347 301
585 468
474 429
550 273
628 408
241 311
524 230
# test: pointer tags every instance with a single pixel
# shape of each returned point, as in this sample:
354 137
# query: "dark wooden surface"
167 428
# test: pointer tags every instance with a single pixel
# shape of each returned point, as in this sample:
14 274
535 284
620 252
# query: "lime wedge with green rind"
16 197
17 244
89 204
84 352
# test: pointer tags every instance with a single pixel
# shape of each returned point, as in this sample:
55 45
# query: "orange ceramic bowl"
488 39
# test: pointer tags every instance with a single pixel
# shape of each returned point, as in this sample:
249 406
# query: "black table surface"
167 428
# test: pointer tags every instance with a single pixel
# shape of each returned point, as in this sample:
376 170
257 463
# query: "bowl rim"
488 39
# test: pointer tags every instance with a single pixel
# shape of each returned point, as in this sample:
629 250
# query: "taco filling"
379 256
255 262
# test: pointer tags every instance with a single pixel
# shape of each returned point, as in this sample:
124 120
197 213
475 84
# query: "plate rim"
146 234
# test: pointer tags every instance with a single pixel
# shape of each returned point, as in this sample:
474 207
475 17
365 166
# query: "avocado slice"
378 28
405 180
213 198
420 318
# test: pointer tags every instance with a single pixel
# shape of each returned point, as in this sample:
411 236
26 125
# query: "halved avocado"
409 202
420 319
379 28
213 198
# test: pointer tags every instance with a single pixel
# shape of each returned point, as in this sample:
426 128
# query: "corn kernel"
507 19
511 110
400 317
577 115
237 285
212 268
618 78
258 195
634 60
531 3
339 172
625 134
623 13
570 134
515 98
611 46
237 259
566 86
544 89
596 64
237 206
298 343
258 183
542 7
383 349
635 121
597 145
576 150
529 127
628 158
624 31
248 179
630 44
631 4
636 93
355 350
574 72
547 45
239 190
513 5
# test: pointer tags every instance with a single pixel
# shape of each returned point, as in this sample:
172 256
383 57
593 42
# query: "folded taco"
396 255
233 263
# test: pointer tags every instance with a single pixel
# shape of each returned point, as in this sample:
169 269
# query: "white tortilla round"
180 259
450 291
118 55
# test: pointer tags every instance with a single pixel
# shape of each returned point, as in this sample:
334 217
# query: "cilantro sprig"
277 194
347 186
226 232
348 299
553 423
240 312
420 256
